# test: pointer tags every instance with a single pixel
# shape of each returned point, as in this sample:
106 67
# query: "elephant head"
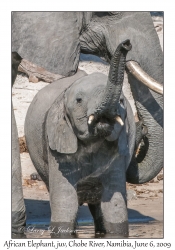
91 108
144 65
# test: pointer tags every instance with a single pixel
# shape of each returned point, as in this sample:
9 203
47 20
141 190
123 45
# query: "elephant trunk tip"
126 45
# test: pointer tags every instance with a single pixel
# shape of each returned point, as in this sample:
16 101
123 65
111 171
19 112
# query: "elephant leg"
63 202
18 207
96 212
114 205
115 215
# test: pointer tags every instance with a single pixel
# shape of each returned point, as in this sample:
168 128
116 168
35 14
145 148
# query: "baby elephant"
80 132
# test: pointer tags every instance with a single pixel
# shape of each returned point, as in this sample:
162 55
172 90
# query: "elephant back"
34 127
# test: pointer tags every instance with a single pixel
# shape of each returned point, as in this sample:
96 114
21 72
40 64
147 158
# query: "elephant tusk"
119 120
91 118
142 76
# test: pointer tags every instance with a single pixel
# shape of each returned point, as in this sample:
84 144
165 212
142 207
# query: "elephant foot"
112 230
18 224
99 227
117 230
35 176
62 230
18 236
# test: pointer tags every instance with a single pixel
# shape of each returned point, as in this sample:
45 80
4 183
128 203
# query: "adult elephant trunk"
150 112
107 103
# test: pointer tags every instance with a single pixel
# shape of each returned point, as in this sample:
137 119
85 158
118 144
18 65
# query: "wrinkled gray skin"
99 33
49 39
81 162
18 207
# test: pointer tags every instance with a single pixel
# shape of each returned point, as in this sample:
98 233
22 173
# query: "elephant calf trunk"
109 99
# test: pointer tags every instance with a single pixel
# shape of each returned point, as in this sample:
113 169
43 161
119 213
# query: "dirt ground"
145 201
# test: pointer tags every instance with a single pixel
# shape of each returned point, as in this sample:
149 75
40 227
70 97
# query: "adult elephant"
18 207
145 65
81 136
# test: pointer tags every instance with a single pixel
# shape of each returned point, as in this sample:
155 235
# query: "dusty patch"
22 144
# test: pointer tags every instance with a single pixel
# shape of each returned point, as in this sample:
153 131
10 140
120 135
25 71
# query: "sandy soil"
145 202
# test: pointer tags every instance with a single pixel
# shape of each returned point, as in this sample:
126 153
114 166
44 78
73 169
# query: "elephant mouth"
102 127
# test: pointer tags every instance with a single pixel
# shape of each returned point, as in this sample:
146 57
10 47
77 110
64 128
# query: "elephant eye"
79 100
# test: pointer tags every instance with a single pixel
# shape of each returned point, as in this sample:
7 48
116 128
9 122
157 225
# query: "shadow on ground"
38 213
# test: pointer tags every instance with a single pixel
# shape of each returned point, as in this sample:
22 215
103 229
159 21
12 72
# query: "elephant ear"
59 130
